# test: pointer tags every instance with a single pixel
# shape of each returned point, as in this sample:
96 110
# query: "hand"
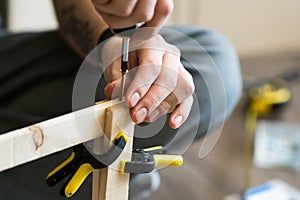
158 85
127 13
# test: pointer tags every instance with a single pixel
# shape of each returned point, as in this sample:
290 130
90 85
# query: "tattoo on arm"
80 31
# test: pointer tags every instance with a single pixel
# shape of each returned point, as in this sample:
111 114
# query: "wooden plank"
47 137
109 184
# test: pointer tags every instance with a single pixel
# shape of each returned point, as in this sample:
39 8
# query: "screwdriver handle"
125 32
125 51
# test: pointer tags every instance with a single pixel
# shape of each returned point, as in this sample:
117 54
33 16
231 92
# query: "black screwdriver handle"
125 32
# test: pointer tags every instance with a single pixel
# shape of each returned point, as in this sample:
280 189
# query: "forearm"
79 24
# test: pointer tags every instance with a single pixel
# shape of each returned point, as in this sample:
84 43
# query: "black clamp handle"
81 163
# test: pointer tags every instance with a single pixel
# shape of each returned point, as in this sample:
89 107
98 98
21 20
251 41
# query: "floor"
222 171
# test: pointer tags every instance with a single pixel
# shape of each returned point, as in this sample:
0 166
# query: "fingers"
150 62
154 97
183 93
140 78
160 84
163 10
181 113
109 89
161 99
126 13
185 86
147 96
121 8
179 102
166 106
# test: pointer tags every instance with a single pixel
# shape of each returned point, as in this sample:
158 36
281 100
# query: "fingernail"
178 120
135 98
141 114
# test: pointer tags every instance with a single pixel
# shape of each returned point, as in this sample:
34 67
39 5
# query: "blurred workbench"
221 172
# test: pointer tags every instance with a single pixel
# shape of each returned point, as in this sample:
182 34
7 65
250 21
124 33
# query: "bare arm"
79 24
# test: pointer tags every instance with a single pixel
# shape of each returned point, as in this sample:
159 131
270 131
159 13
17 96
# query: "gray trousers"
37 72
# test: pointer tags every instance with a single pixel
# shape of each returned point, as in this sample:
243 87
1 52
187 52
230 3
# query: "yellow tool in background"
264 99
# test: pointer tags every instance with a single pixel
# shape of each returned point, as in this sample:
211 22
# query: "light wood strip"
108 183
38 140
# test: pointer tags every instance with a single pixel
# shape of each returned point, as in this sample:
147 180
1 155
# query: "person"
38 71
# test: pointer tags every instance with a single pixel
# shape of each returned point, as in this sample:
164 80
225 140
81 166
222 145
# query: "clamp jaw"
146 160
81 163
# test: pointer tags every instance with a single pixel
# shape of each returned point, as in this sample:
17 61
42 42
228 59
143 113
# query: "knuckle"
190 89
153 68
149 120
152 118
125 12
151 102
190 86
154 100
165 107
173 49
146 16
143 88
172 85
166 8
158 38
169 82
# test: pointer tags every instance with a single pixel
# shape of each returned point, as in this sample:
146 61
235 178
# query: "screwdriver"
124 63
125 34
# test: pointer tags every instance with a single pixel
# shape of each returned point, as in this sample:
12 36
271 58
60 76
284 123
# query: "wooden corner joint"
109 183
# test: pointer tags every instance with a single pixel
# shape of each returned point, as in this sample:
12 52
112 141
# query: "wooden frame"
108 183
44 138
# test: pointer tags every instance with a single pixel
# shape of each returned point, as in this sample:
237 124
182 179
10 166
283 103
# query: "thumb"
108 90
112 90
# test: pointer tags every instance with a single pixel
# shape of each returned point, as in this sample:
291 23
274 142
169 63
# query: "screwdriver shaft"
124 63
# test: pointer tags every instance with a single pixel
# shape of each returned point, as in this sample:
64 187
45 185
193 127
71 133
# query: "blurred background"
266 35
254 27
